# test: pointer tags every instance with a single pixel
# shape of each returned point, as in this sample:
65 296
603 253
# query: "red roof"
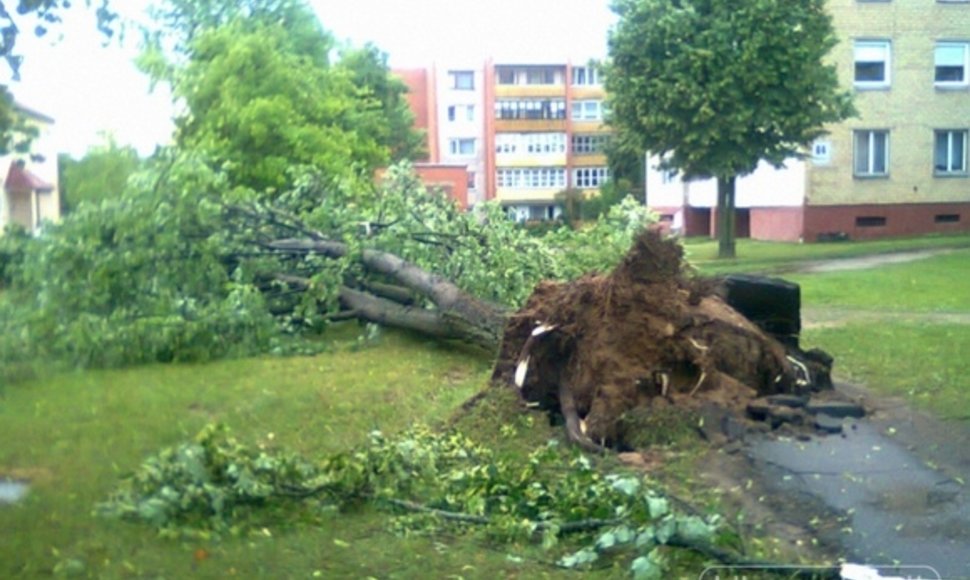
19 179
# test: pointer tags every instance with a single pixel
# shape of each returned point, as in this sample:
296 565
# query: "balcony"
530 91
525 125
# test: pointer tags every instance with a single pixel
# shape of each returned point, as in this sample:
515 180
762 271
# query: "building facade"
30 187
899 168
525 132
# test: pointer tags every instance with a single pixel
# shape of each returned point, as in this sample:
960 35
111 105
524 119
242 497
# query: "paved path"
867 262
830 317
896 482
827 317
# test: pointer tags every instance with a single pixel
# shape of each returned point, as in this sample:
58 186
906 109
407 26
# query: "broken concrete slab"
839 409
828 423
793 401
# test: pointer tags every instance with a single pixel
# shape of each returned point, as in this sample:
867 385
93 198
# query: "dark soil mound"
604 348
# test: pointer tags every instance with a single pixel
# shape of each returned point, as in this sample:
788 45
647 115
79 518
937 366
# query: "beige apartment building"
899 168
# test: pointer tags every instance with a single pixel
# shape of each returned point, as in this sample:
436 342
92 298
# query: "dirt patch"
609 351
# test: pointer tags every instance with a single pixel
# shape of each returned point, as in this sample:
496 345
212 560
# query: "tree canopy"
173 270
102 173
263 223
714 86
262 95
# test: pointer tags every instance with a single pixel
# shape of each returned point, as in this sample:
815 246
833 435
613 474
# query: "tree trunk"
457 314
726 228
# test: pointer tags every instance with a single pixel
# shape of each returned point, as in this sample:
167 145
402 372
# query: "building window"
587 110
464 112
530 109
950 153
531 75
870 221
586 76
471 180
461 146
950 62
531 143
541 76
531 177
871 153
872 63
590 143
462 80
586 177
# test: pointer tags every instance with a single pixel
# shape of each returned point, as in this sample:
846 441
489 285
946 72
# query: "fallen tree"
169 275
600 349
604 349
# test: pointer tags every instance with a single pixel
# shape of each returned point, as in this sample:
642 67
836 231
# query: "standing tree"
368 69
262 95
714 86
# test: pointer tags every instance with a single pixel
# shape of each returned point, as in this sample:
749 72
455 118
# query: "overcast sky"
91 89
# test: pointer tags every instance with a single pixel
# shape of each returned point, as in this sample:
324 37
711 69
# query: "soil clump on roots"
607 352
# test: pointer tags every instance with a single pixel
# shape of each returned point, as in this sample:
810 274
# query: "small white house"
30 188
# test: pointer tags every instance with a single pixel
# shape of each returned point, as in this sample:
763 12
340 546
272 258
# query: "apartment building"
899 168
524 132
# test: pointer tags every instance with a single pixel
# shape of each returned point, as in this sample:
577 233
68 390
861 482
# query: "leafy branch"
216 485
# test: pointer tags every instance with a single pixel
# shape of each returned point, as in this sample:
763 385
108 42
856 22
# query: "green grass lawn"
75 435
937 284
758 256
891 348
876 326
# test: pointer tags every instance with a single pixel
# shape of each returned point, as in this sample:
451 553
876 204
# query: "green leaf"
694 529
647 567
658 506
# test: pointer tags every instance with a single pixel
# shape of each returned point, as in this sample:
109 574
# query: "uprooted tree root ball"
638 340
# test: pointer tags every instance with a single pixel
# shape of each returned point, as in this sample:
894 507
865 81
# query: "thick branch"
389 313
452 301
389 291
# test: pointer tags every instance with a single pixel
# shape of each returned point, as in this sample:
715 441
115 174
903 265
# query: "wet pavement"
894 484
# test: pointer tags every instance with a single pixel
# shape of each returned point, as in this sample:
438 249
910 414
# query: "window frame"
589 143
457 85
583 106
456 149
586 76
871 43
948 171
590 177
530 109
530 177
965 82
870 172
